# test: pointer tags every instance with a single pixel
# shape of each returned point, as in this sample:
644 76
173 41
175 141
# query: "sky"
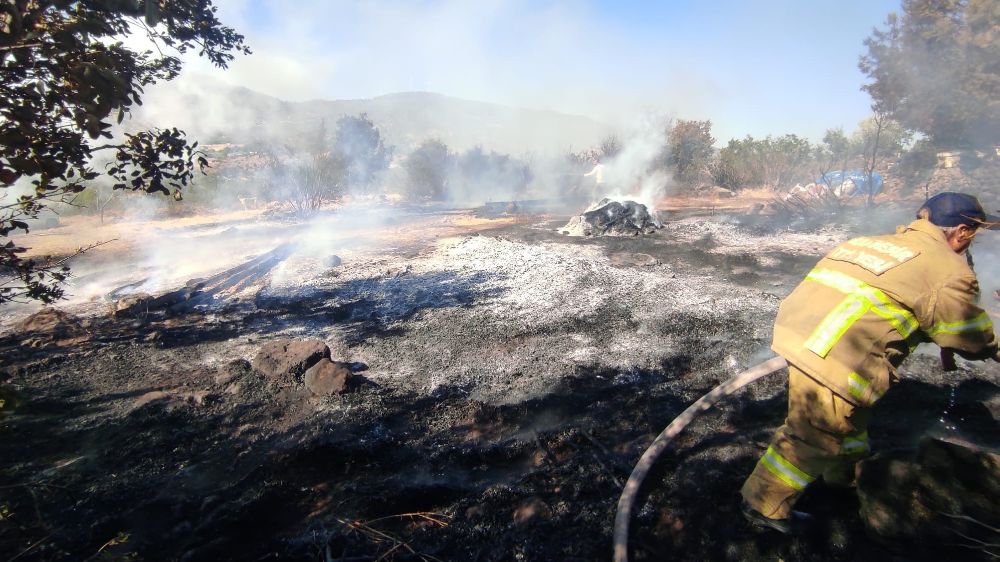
754 67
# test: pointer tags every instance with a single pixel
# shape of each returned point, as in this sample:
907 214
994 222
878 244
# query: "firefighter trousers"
823 435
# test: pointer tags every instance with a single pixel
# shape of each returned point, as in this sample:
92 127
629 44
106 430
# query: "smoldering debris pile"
613 218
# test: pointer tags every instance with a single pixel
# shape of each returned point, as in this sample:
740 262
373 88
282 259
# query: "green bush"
428 168
689 151
769 162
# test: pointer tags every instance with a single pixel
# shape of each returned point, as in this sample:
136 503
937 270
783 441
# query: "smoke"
329 237
986 255
573 57
473 177
558 56
211 111
633 171
636 173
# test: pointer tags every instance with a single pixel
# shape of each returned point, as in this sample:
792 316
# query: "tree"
359 144
428 168
875 138
319 141
103 199
64 74
470 168
893 138
611 146
834 151
568 169
304 179
312 181
769 162
481 175
934 70
733 167
782 158
689 150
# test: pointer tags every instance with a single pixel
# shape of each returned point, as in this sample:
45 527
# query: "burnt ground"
513 379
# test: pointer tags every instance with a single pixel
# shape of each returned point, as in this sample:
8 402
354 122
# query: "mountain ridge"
212 111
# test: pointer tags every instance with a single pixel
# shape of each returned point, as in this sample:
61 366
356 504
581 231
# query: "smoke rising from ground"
986 255
636 173
559 56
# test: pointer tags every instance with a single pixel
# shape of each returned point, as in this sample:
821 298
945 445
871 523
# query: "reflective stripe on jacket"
870 301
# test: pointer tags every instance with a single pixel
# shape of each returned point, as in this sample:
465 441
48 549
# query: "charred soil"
511 380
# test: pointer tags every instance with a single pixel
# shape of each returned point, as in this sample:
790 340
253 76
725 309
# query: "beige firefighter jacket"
869 302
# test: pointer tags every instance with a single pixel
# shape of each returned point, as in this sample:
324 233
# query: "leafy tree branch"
64 75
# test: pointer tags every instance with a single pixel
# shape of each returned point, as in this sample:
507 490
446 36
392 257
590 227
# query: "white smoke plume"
636 173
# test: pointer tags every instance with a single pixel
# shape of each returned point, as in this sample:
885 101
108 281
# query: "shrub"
428 168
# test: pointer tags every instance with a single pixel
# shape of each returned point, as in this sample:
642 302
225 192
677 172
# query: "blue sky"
752 67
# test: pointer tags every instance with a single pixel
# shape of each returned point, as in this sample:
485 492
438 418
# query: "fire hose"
627 501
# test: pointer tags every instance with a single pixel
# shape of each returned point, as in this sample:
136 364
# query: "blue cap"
949 208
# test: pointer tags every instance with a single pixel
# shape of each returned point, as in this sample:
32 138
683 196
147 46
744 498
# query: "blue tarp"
835 178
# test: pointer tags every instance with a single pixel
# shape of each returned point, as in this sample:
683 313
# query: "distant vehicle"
848 183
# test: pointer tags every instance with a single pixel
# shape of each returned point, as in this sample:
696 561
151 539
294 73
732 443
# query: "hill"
214 112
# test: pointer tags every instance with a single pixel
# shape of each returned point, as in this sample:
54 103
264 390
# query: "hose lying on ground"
656 448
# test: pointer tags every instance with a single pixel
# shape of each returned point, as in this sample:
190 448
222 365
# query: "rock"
950 488
287 359
51 326
51 321
327 378
133 305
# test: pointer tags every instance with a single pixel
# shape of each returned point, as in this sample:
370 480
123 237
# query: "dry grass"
744 200
80 231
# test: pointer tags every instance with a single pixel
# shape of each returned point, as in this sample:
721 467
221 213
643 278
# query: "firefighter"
597 172
844 331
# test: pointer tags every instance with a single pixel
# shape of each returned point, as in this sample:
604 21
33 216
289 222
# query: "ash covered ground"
512 377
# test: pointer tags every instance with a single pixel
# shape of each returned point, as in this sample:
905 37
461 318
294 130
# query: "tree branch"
21 46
